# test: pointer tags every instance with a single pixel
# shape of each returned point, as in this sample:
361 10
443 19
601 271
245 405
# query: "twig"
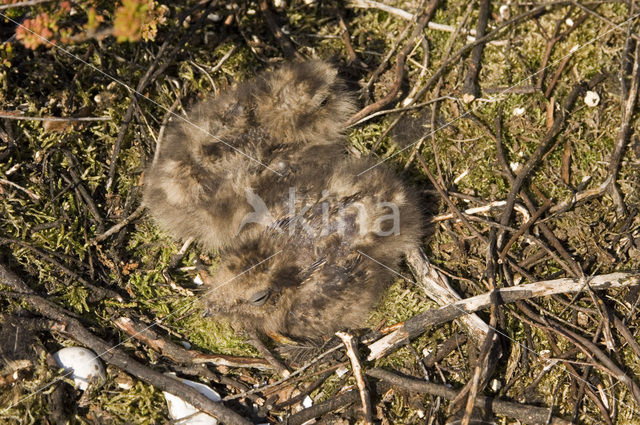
525 413
521 231
444 349
32 195
12 116
623 134
551 42
23 4
148 336
481 210
605 20
436 286
281 38
117 227
254 339
419 323
344 33
571 266
540 9
383 64
293 374
552 133
82 190
470 90
574 372
304 416
590 349
350 345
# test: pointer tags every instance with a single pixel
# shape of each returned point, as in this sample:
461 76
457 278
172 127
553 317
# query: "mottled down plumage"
254 137
306 250
327 271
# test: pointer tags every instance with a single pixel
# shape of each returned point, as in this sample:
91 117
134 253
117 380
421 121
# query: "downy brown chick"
250 140
323 267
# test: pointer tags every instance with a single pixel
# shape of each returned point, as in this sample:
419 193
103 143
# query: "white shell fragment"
178 408
505 12
341 371
84 364
307 402
495 385
591 98
518 111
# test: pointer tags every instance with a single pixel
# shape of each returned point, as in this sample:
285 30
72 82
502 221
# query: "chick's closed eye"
259 298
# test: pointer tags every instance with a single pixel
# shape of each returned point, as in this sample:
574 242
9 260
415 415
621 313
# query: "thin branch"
13 116
175 352
350 345
119 226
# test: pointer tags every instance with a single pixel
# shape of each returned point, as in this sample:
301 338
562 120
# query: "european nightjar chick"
250 140
327 263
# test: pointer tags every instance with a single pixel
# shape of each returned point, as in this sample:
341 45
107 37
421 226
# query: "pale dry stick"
22 4
479 210
32 195
403 14
177 257
350 345
408 107
436 286
222 60
119 226
419 323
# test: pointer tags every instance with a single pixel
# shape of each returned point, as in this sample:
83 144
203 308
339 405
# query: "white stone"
591 98
341 371
307 402
504 11
84 365
178 408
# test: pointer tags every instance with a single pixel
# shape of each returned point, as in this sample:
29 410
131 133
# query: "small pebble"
591 99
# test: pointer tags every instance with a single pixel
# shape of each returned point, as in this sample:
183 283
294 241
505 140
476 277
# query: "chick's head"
253 288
